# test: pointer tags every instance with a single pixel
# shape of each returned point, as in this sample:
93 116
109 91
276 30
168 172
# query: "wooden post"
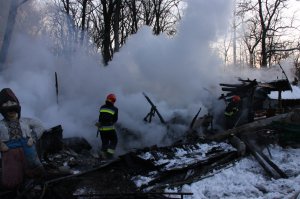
56 87
280 101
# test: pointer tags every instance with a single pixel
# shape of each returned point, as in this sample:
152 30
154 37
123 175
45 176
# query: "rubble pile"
73 171
144 171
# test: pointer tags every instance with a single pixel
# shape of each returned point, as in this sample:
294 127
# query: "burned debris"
144 173
263 119
73 171
152 112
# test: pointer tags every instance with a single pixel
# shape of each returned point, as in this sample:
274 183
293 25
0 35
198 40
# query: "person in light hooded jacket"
18 136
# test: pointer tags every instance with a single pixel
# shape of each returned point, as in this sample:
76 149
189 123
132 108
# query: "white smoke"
179 74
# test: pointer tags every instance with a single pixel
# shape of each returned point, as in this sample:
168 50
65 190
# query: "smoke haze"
179 74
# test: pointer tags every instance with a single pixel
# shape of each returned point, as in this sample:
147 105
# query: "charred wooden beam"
199 168
205 171
77 144
50 185
250 127
270 167
152 112
235 89
230 85
145 195
194 119
50 142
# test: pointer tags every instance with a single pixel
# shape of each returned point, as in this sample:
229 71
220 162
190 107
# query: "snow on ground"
294 94
247 179
242 179
184 157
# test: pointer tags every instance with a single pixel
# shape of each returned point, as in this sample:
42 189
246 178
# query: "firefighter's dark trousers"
109 142
230 121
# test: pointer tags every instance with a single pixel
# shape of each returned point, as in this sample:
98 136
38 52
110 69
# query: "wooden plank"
250 127
273 165
270 167
230 85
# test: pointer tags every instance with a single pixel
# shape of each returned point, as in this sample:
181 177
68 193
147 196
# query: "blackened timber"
273 165
56 87
51 185
153 111
50 142
194 119
230 85
250 127
280 85
247 80
266 85
205 171
287 79
77 144
145 195
245 86
270 167
235 89
198 169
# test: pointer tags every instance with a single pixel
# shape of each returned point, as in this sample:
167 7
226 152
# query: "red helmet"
111 98
236 98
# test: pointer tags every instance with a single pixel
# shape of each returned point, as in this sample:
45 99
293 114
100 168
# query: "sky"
179 74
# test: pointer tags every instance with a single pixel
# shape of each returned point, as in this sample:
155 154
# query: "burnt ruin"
73 171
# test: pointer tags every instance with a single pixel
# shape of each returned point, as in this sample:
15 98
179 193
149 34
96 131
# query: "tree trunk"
116 26
157 5
107 15
251 57
134 25
263 53
83 19
8 31
264 56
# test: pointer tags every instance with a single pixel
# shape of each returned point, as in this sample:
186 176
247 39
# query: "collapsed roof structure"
73 171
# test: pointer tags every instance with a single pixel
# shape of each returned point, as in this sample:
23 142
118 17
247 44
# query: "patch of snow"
295 94
246 179
83 190
141 180
75 172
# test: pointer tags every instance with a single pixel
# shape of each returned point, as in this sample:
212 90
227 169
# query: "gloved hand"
97 124
3 147
235 110
30 142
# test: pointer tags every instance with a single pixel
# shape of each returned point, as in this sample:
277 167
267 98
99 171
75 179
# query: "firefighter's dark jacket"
231 109
108 116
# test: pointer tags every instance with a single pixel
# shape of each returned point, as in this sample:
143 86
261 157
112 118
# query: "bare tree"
14 5
83 18
108 8
162 10
110 22
264 29
116 25
251 39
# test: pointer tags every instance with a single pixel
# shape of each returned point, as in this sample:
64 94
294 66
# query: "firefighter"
108 116
18 136
232 112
